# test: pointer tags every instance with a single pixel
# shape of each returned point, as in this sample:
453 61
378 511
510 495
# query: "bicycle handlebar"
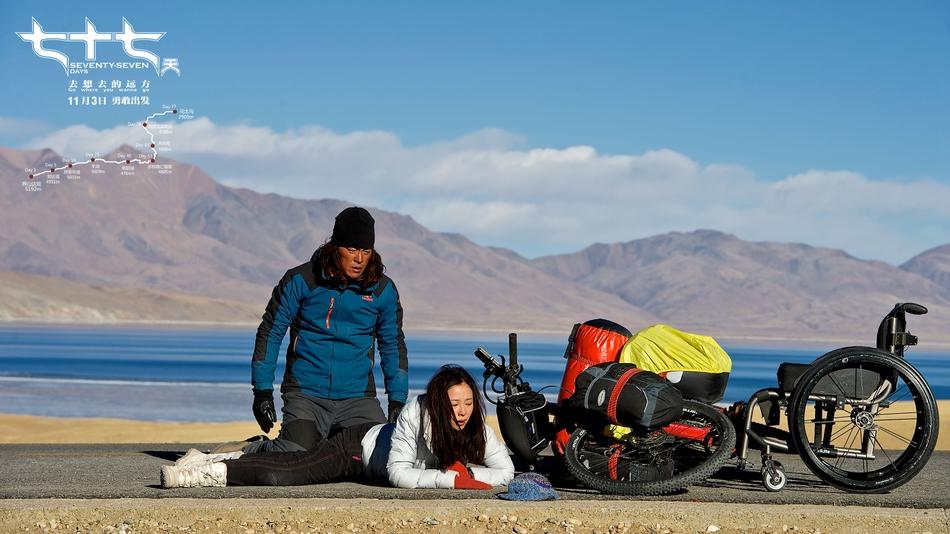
491 364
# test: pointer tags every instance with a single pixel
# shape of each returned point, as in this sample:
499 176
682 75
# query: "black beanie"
354 228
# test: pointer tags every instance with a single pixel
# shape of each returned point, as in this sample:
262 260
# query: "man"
337 306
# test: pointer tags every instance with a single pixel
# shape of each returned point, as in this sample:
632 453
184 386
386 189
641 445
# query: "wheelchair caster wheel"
773 477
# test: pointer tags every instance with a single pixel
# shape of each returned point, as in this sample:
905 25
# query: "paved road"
119 471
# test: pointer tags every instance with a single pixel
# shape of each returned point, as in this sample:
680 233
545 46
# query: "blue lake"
204 375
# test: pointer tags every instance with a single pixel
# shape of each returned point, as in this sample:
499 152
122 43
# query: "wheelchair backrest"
892 334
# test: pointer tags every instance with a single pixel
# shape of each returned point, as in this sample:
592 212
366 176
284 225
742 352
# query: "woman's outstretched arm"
498 469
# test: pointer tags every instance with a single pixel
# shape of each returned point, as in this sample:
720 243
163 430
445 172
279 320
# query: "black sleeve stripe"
267 320
400 336
382 285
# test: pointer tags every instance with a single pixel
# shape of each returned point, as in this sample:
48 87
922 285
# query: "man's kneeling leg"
302 432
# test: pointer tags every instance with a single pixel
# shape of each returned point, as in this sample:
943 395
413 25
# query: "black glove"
394 408
264 409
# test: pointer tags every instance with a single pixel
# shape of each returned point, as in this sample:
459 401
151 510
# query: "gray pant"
309 420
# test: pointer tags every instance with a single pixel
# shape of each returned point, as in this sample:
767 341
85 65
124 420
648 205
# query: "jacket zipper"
330 371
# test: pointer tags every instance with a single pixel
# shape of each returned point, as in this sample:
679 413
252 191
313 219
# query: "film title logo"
92 38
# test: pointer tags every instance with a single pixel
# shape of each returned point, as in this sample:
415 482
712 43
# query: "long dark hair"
328 258
448 445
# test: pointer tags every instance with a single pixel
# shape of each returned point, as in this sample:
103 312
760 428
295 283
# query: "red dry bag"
593 342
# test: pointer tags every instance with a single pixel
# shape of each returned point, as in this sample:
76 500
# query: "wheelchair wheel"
773 476
863 420
654 462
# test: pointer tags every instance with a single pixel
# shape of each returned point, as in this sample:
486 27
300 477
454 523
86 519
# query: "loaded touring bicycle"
606 437
862 418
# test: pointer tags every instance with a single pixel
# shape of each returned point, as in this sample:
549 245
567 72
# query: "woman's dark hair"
328 259
448 445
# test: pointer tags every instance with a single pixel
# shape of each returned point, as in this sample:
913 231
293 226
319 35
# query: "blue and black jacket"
333 331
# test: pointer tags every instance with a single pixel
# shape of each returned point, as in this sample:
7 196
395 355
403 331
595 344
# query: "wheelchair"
862 419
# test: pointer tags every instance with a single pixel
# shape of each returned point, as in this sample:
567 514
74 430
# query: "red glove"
459 468
471 484
464 480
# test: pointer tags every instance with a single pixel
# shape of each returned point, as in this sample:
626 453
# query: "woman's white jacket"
401 453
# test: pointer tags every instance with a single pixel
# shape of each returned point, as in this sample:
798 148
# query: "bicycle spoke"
838 433
828 421
859 377
857 434
893 396
831 376
895 418
848 443
884 450
897 436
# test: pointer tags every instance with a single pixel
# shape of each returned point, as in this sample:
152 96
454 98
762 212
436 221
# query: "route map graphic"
49 173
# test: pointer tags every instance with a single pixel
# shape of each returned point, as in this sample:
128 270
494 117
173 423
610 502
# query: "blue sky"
768 91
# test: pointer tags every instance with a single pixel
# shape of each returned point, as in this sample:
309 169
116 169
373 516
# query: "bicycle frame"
524 416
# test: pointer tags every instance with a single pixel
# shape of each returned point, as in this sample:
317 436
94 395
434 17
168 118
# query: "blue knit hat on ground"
529 487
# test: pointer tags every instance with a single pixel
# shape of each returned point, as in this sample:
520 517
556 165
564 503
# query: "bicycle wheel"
863 420
655 462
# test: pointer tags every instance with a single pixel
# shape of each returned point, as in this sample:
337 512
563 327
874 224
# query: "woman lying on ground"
439 441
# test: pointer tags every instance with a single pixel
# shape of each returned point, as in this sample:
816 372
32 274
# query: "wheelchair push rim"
863 420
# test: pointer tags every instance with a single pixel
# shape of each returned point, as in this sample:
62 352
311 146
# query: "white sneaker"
196 457
222 456
193 456
193 476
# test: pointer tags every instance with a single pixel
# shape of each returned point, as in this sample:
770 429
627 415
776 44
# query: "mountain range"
166 242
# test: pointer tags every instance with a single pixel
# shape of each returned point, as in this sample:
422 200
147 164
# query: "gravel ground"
344 516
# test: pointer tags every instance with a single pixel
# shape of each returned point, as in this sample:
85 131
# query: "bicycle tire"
587 455
894 424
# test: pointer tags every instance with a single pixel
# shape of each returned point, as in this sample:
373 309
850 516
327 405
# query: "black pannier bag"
625 395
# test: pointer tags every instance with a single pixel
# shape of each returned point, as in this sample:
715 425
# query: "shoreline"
739 341
18 429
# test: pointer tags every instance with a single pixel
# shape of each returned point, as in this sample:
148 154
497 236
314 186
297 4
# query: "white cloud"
21 128
553 200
